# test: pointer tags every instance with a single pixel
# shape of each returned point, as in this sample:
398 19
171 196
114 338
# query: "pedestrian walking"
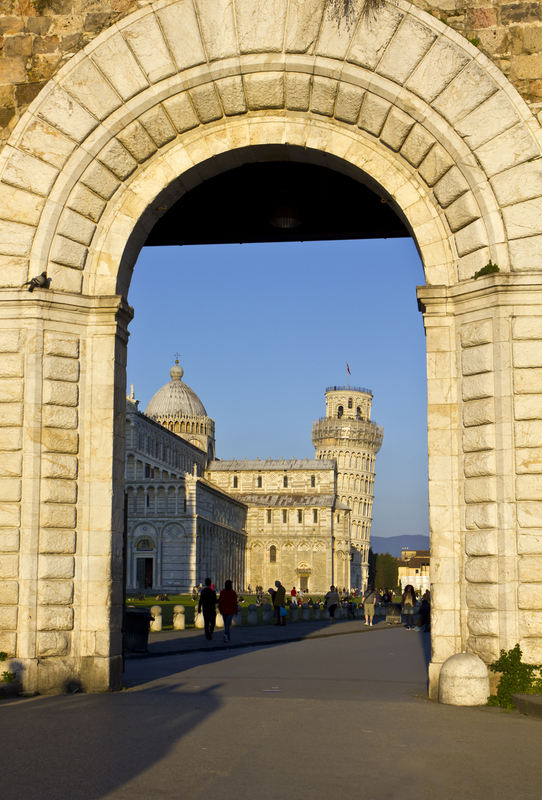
369 599
228 607
332 601
407 604
279 601
207 603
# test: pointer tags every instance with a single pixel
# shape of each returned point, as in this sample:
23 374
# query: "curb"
241 645
528 704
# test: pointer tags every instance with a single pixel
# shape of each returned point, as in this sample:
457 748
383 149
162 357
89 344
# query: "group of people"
227 605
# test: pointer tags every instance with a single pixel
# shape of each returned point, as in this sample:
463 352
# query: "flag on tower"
348 368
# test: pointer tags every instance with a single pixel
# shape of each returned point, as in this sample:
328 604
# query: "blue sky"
263 329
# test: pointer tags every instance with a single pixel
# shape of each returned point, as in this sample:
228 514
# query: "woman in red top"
227 605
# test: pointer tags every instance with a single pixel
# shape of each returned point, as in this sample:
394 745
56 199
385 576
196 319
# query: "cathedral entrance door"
144 573
304 582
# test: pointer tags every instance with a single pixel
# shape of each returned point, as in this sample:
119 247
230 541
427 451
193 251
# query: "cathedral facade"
191 516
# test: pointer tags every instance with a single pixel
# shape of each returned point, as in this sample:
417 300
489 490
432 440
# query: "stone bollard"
198 620
316 611
463 681
325 613
219 622
156 624
338 612
178 618
252 616
305 612
237 620
267 613
294 614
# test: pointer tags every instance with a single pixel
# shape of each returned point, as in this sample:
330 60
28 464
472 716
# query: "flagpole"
347 375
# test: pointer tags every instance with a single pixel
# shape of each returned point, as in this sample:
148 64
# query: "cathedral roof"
297 464
175 399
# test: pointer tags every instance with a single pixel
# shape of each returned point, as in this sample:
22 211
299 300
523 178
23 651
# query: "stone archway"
170 96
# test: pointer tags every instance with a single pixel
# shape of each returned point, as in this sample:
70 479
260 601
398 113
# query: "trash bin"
137 622
393 614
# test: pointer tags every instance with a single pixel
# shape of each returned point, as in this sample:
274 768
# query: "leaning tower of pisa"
348 435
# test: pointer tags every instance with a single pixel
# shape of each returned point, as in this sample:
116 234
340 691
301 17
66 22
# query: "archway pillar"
62 396
484 372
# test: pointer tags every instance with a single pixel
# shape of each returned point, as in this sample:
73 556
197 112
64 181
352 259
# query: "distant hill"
393 544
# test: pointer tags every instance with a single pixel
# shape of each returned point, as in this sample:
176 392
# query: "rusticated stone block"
528 433
232 95
11 366
9 593
57 515
10 515
530 543
396 129
11 465
58 491
435 165
206 103
475 387
181 112
157 124
527 327
324 91
68 253
55 618
54 644
101 180
462 212
417 145
527 381
10 341
56 567
532 650
60 417
480 490
481 543
60 393
60 541
529 515
55 465
530 569
10 490
477 359
406 50
118 159
480 517
348 103
486 647
527 354
529 487
452 186
530 596
8 618
483 595
374 111
484 569
11 415
74 226
8 642
530 623
528 407
476 465
483 623
55 593
86 203
60 369
11 391
60 441
478 412
476 333
9 540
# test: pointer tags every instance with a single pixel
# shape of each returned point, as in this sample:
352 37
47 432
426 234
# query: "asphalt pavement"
323 717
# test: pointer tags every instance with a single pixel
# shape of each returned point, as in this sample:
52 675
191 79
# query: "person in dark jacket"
207 604
227 605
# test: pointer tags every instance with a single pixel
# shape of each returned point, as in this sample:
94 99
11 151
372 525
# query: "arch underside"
179 92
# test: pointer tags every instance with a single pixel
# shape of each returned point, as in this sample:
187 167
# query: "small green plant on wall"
516 678
489 269
7 677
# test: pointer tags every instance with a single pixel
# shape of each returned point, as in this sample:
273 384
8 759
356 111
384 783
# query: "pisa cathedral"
190 515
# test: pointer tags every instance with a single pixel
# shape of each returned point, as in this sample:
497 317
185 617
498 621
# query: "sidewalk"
192 641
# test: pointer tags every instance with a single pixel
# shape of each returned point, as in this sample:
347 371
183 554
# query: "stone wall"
37 38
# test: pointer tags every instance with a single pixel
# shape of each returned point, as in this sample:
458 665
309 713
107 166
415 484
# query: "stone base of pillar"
433 679
57 675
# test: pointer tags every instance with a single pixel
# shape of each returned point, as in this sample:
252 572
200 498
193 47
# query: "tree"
386 571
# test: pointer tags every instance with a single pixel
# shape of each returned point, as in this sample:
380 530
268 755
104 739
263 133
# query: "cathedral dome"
175 399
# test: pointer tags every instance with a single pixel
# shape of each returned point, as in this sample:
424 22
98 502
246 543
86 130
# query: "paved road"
344 716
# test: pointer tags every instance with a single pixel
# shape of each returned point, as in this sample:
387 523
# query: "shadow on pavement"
87 746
